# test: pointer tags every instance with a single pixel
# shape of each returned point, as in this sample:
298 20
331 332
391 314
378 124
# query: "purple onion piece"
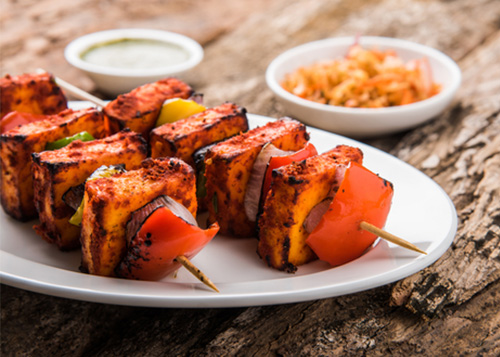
140 216
318 211
74 196
314 217
197 97
254 186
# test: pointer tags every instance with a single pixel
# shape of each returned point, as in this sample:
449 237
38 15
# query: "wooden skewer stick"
196 272
389 237
77 92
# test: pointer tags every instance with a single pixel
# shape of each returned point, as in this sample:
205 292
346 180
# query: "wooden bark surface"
449 308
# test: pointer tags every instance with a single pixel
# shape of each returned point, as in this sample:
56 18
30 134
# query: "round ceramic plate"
421 213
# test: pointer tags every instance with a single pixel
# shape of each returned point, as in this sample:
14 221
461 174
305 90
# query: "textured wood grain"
464 158
458 296
34 33
359 324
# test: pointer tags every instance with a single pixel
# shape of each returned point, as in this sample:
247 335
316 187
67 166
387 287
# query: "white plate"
421 213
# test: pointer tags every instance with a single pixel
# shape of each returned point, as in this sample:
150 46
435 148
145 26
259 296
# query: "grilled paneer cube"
295 190
183 137
110 202
17 145
31 93
228 166
57 171
139 109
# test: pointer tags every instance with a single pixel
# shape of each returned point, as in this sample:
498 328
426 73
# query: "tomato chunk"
162 237
13 119
277 161
362 196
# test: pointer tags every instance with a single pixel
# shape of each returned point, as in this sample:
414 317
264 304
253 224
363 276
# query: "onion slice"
254 186
201 181
318 211
74 196
140 215
197 97
337 180
101 172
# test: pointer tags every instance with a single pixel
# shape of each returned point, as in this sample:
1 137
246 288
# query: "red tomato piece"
13 119
277 161
162 237
362 196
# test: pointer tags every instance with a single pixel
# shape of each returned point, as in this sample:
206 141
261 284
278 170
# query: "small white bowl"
115 80
363 122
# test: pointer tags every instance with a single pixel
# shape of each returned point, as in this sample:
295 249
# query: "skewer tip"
390 237
77 92
196 272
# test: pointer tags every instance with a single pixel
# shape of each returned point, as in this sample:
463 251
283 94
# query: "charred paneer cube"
139 109
17 145
35 93
183 137
56 172
295 190
110 202
228 166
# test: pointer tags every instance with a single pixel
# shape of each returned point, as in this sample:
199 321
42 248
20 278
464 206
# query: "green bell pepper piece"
83 136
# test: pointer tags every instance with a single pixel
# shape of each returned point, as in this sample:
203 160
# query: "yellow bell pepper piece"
176 109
